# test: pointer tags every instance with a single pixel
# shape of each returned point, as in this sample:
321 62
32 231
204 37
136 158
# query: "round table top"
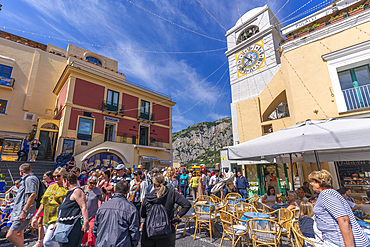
256 215
363 223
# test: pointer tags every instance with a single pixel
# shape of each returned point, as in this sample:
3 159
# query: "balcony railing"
357 98
9 82
146 117
116 109
154 142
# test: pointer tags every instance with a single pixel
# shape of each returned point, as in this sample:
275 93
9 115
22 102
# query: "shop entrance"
110 132
272 175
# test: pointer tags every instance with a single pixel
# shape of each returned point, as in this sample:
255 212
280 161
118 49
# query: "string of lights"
212 16
173 23
216 100
115 48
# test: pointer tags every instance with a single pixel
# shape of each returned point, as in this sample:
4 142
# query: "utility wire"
304 5
212 16
196 103
174 23
216 100
115 48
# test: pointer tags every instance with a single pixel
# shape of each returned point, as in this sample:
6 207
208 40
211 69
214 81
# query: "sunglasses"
92 182
57 176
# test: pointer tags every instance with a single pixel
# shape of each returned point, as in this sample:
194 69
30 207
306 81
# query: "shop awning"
166 162
330 140
151 158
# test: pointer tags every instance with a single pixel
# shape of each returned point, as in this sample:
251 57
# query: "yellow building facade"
83 106
319 71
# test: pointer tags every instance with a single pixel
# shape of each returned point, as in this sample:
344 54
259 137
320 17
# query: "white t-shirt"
204 179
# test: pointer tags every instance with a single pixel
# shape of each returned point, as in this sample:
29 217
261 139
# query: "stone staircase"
38 168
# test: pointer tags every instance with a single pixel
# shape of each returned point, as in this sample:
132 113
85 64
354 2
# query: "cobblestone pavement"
201 240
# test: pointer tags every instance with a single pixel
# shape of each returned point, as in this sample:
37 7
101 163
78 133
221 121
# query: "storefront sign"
112 119
149 158
165 162
317 15
145 124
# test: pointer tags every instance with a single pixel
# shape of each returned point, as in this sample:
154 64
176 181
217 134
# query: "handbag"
62 231
132 196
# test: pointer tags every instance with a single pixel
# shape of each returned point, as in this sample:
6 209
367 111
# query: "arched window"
94 60
49 126
247 33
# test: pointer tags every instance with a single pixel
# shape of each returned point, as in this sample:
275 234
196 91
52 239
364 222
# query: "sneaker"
38 244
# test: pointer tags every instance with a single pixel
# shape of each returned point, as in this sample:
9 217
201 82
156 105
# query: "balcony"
7 82
156 142
146 117
115 109
357 97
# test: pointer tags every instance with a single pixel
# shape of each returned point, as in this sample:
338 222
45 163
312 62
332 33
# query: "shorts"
19 225
34 152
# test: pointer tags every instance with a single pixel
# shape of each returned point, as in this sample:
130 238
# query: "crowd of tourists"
113 207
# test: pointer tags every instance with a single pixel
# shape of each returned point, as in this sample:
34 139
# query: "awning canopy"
332 139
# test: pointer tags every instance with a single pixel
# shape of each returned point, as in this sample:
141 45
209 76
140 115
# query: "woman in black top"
168 198
71 208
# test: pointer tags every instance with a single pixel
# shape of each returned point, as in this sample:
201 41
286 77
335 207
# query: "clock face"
250 59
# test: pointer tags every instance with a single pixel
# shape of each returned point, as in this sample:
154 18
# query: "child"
307 224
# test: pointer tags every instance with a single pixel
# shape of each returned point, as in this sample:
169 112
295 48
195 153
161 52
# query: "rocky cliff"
200 143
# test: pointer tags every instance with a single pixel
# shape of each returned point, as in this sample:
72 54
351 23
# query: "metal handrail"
116 109
357 97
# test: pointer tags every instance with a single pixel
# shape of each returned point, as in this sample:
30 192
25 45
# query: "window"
94 60
145 109
355 85
5 71
3 104
112 100
85 129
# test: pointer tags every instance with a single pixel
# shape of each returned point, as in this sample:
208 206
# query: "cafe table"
256 215
206 209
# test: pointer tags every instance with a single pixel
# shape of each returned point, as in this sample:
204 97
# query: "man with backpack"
24 205
158 212
117 221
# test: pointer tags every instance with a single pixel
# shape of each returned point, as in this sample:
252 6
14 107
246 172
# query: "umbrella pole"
291 170
317 160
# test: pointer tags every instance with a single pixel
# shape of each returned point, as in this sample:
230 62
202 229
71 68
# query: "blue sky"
123 25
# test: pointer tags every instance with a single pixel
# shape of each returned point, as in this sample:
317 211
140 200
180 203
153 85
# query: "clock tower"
253 57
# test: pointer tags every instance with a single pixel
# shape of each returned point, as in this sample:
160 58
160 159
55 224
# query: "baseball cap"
120 167
139 166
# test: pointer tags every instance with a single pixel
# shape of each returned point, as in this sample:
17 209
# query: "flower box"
320 26
303 33
356 11
289 39
337 19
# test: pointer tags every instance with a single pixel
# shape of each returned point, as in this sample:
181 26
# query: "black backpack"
42 189
157 222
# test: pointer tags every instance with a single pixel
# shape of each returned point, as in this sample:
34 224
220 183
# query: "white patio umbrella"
325 140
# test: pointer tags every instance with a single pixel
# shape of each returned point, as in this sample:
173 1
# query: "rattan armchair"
233 196
300 240
265 232
203 198
188 218
261 207
241 208
231 230
204 218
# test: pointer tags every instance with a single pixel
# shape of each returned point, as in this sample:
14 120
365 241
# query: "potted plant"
318 26
289 38
337 18
356 10
105 106
304 32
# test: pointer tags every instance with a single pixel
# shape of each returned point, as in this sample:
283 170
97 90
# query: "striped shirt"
331 205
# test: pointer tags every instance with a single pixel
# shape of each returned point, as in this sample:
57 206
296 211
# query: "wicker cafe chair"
231 230
188 218
254 198
231 200
2 218
295 213
300 240
284 218
241 208
204 218
262 208
265 232
203 198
